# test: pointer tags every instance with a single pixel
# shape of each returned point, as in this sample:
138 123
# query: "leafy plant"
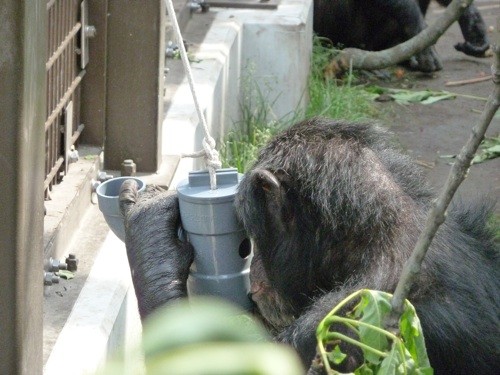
384 352
333 98
240 146
489 149
403 96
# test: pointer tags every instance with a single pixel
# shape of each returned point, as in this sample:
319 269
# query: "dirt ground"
428 131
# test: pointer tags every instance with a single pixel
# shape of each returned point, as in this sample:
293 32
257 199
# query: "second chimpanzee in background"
379 24
333 207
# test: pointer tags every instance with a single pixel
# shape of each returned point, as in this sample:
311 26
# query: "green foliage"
258 124
403 96
256 128
489 149
332 98
205 336
384 352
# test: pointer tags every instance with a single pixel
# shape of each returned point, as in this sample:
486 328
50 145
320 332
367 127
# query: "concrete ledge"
69 201
90 332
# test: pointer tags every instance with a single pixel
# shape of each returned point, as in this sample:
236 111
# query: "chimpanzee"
379 24
332 207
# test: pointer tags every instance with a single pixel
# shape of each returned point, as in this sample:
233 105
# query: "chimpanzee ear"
266 180
273 184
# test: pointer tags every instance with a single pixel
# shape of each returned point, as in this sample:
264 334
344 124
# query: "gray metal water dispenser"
222 251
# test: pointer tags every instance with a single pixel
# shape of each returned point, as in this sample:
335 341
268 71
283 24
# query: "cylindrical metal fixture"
128 168
223 252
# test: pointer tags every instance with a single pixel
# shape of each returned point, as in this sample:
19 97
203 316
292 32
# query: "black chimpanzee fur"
333 207
379 24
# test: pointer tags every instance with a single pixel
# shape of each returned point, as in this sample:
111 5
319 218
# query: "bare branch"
467 81
457 174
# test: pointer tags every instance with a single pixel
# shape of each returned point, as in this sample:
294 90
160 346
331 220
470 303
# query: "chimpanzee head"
320 200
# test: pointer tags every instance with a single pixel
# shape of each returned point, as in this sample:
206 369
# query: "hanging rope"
209 152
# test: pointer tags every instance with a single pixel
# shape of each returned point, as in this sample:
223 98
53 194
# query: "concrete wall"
272 49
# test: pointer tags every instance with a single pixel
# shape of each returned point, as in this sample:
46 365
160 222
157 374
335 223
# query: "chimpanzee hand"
472 50
426 61
159 261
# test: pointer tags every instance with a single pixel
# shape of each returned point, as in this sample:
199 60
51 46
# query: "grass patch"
241 146
332 99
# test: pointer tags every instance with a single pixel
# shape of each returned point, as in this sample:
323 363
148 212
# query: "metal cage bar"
63 79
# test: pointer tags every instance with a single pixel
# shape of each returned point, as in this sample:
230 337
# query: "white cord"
209 152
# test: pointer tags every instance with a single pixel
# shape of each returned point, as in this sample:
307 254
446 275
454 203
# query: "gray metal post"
93 96
22 114
134 98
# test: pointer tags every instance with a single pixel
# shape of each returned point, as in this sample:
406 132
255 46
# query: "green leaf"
336 356
65 274
487 154
391 363
403 96
436 98
405 354
411 332
363 370
406 97
373 309
424 97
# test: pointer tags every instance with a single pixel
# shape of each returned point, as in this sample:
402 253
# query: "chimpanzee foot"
426 61
473 50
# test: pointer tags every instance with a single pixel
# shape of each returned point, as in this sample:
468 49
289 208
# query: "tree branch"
457 174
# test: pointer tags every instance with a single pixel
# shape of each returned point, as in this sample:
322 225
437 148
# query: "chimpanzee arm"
474 32
159 261
411 20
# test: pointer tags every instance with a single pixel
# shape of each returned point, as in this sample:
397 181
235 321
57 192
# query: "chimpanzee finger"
170 207
128 196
